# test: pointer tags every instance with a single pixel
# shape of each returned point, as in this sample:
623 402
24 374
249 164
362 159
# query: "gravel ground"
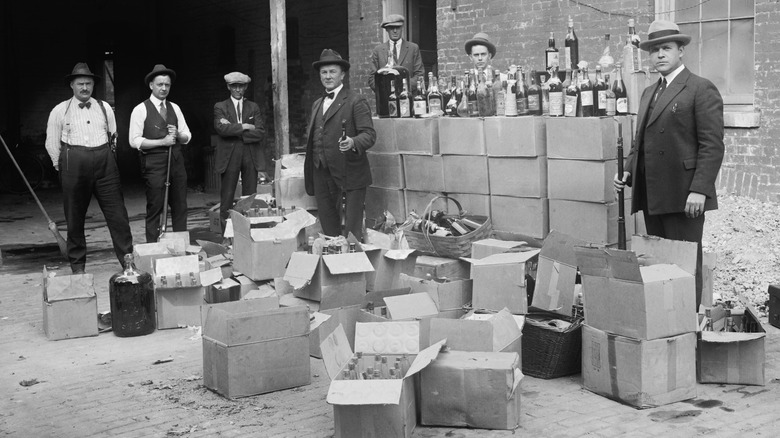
745 236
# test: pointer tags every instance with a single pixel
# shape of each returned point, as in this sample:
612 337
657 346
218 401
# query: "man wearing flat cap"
397 51
158 128
679 147
340 132
480 50
79 139
239 124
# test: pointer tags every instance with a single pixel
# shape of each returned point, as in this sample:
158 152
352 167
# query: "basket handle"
427 211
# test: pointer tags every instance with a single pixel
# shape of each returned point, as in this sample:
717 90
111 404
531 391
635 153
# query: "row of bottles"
439 224
321 246
268 211
728 320
381 367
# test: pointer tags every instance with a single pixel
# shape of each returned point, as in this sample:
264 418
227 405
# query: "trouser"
329 198
84 172
240 163
154 166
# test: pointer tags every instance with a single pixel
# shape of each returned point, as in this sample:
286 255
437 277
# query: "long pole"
164 216
621 196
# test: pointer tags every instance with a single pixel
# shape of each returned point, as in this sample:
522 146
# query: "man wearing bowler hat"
157 126
480 50
79 139
679 148
239 124
336 169
400 52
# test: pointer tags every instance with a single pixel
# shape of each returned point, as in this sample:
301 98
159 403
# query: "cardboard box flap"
349 263
212 276
518 376
66 287
505 327
225 283
729 337
399 254
609 263
662 272
425 357
176 265
504 258
336 352
240 225
411 306
653 250
365 392
317 319
301 269
377 298
560 247
180 240
391 337
153 248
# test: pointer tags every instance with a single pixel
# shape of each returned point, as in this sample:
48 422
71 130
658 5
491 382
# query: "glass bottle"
534 97
521 94
484 102
463 101
454 99
632 56
446 94
556 95
611 99
434 97
600 94
571 44
545 86
551 53
510 106
619 88
499 93
472 96
420 102
572 96
131 293
586 94
392 102
405 102
607 62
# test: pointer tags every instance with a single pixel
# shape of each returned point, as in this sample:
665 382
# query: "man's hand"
694 205
224 121
57 167
169 140
620 183
346 144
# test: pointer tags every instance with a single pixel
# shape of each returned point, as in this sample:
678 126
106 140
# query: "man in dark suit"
400 52
336 167
679 147
239 124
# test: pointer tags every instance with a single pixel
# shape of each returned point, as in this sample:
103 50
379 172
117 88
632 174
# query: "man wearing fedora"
79 139
157 125
679 147
480 50
336 166
239 124
403 53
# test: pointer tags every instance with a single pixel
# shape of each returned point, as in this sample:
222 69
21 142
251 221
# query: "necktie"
163 111
85 104
661 89
395 52
330 95
238 111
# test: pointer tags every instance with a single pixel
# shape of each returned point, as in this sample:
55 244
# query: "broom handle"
24 178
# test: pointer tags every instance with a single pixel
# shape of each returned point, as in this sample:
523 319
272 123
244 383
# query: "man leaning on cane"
158 128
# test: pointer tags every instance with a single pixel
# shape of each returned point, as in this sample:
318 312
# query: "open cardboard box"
179 290
500 280
289 185
389 265
376 408
500 331
487 247
69 306
440 267
449 294
556 274
335 280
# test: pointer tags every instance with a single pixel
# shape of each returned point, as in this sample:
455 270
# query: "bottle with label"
551 53
572 44
454 99
600 93
619 88
521 93
586 94
572 96
463 101
446 94
534 97
483 96
632 56
491 92
556 95
420 102
392 101
611 98
405 102
607 62
545 86
471 94
510 105
131 293
434 97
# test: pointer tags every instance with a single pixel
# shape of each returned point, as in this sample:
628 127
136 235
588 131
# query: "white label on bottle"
533 102
501 103
622 105
420 107
611 106
552 59
392 109
510 104
587 97
434 104
602 99
567 56
556 103
571 106
405 108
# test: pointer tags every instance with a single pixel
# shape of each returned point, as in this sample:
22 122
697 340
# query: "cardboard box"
419 136
378 200
254 347
387 170
521 177
709 261
462 136
423 172
179 290
581 180
441 267
417 201
640 373
640 302
449 294
556 274
69 306
487 247
223 292
376 408
403 306
734 358
474 204
389 265
385 135
177 241
500 281
590 221
480 332
471 389
334 280
466 174
515 136
289 185
527 216
586 138
145 254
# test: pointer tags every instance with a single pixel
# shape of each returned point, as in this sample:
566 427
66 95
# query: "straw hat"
662 31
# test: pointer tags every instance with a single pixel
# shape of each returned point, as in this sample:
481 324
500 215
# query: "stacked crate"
419 145
387 173
581 166
464 161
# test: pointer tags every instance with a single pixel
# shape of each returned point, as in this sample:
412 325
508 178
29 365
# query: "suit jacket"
350 170
232 135
682 142
409 57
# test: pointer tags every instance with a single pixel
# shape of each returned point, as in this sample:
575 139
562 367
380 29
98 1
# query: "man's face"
160 86
331 76
237 90
666 57
480 56
82 87
394 32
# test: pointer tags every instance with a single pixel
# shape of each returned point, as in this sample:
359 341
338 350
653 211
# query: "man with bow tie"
157 125
239 124
340 132
79 137
400 52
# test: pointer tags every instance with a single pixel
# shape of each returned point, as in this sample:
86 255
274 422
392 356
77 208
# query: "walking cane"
164 216
621 220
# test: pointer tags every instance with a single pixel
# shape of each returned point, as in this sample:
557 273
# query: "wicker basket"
448 246
547 352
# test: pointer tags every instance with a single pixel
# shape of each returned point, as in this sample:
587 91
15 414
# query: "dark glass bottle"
131 293
534 97
619 88
586 94
556 95
571 44
550 54
572 97
521 94
600 93
392 102
420 101
471 95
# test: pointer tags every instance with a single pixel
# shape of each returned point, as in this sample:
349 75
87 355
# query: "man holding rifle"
157 130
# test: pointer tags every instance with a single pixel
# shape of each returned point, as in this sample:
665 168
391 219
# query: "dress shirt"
77 126
397 49
326 101
235 107
138 117
670 77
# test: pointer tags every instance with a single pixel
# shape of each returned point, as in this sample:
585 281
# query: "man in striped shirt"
78 134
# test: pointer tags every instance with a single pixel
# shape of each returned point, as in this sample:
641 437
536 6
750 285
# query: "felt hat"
393 20
158 70
82 69
662 31
330 57
481 39
237 78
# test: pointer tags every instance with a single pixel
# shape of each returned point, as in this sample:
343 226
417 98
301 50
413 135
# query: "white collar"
335 91
400 40
235 102
670 77
155 101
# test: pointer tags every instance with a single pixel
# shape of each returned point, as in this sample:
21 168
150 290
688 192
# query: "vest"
319 148
155 127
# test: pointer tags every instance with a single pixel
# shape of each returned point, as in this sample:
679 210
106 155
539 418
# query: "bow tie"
330 95
85 104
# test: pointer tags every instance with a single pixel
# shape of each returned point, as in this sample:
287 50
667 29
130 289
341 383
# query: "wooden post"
279 77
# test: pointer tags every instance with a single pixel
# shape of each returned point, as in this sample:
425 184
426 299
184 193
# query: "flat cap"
237 77
393 20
